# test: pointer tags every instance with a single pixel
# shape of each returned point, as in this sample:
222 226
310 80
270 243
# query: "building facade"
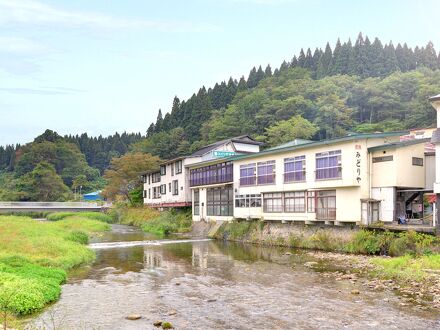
170 185
360 178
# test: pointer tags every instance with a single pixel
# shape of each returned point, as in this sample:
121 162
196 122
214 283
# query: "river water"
216 285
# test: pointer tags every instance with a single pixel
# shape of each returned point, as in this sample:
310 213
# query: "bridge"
7 207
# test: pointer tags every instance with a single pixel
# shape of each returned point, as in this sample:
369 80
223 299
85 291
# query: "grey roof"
322 142
399 144
241 139
435 98
291 144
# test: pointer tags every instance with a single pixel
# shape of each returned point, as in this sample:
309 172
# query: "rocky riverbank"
423 292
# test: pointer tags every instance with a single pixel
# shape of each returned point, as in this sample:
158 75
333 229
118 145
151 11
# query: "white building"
169 187
360 178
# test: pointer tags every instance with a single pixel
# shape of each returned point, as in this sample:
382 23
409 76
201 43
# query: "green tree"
288 130
43 184
124 175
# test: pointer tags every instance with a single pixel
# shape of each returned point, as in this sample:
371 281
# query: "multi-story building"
360 178
170 186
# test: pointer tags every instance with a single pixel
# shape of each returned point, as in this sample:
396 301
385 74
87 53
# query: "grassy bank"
153 221
34 258
358 242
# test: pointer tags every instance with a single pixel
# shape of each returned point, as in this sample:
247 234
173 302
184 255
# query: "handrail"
50 204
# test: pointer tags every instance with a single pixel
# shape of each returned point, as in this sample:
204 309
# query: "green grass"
35 255
88 215
407 268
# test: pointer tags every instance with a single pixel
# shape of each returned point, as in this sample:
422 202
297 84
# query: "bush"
322 240
133 216
364 242
173 221
411 242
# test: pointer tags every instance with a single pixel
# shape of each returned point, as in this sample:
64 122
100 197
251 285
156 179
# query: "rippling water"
216 285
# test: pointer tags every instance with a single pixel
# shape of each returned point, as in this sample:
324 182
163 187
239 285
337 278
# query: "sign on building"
223 154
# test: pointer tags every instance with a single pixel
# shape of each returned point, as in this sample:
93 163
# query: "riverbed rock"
211 300
157 323
172 312
288 253
310 264
355 291
133 317
177 283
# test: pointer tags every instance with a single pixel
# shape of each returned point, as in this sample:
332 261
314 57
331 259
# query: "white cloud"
13 45
41 90
35 12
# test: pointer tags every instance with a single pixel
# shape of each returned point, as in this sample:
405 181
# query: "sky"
100 66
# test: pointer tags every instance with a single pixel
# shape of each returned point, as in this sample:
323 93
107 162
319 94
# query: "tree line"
353 87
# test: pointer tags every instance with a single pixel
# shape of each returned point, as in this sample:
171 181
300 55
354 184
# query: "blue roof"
95 193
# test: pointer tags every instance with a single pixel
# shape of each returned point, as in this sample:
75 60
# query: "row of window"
176 168
328 166
322 202
173 187
219 202
212 174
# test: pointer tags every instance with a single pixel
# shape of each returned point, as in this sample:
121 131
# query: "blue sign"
223 154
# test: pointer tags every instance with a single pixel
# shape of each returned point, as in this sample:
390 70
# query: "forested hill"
98 151
365 86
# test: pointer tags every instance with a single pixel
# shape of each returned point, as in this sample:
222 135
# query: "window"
172 169
247 175
219 201
149 193
163 189
328 165
326 205
178 166
169 187
144 178
149 178
295 202
217 173
311 202
252 200
417 161
272 202
163 169
144 194
175 187
382 159
156 192
295 169
155 177
196 206
266 172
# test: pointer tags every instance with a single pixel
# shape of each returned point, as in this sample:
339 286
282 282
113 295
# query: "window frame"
175 185
295 160
271 197
326 170
248 179
297 199
269 178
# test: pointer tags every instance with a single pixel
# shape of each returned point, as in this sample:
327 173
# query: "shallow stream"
205 284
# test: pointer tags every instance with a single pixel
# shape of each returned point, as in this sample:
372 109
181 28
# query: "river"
216 285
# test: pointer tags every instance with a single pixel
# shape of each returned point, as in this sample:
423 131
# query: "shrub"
364 242
411 242
79 237
167 222
322 240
